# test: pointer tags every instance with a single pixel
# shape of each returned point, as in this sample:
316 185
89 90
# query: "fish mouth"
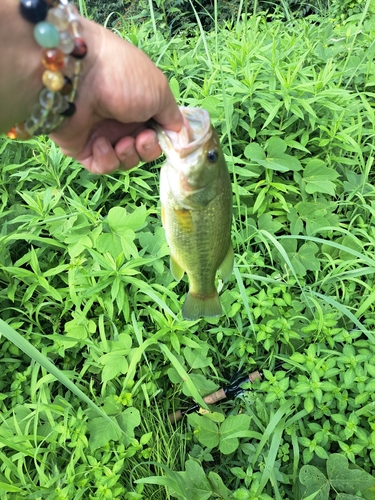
193 135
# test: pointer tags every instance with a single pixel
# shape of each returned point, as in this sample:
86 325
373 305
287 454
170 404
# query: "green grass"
85 287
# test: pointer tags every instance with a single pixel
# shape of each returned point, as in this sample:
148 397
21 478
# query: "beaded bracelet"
57 32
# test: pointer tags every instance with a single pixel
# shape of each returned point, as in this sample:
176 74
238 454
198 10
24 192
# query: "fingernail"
127 153
149 144
102 145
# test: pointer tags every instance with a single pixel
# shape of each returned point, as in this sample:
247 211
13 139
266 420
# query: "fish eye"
212 156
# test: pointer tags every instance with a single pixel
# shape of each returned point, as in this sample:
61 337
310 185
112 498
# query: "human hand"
119 92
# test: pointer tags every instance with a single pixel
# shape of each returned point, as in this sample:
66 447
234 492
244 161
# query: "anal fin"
176 269
226 267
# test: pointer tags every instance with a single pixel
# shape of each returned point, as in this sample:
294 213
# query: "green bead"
46 35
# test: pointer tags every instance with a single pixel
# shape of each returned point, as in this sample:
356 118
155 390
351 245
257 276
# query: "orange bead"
53 59
12 133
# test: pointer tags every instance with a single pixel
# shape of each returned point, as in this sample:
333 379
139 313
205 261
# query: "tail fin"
196 306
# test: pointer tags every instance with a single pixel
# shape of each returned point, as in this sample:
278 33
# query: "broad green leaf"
196 483
117 220
155 243
234 424
296 221
339 419
174 377
128 421
267 223
277 159
254 151
78 328
217 485
109 242
135 220
327 386
78 244
321 452
314 215
115 244
275 147
212 104
318 178
349 378
101 433
215 417
207 431
298 357
306 256
114 364
314 482
197 358
112 405
303 259
308 404
128 246
282 163
145 438
123 341
346 480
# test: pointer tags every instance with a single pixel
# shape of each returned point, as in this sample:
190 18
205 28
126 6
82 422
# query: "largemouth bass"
196 205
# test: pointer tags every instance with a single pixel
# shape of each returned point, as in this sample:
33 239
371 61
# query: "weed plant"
84 273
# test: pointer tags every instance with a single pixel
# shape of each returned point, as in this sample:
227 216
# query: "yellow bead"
53 80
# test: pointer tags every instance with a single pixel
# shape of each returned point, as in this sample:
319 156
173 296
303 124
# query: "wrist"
21 73
56 28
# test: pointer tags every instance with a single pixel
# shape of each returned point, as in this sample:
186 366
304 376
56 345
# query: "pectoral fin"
163 217
176 269
226 267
